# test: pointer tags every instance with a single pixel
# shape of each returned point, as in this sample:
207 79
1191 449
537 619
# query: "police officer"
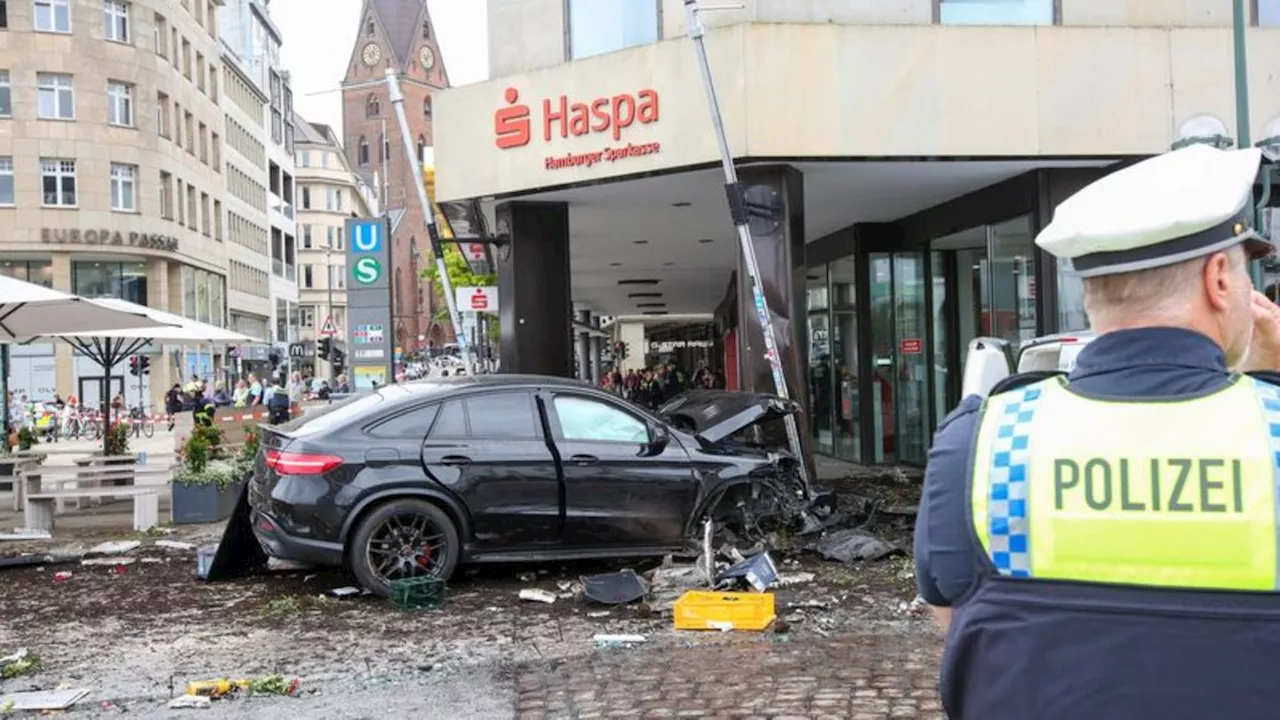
1103 545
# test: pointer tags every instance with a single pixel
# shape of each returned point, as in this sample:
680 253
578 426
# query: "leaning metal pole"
1241 61
433 233
737 207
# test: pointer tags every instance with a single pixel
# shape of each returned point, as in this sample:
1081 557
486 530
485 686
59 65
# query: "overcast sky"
317 46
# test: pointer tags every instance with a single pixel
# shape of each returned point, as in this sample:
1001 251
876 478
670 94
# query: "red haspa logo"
511 124
476 250
479 301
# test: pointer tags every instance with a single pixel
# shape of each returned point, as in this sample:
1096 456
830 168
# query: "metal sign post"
737 207
433 233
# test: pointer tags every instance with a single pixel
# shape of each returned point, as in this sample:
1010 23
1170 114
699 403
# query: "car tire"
358 553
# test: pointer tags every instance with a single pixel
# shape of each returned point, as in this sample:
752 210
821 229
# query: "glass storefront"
127 281
878 392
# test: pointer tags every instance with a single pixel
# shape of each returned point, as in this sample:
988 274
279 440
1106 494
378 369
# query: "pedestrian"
1102 545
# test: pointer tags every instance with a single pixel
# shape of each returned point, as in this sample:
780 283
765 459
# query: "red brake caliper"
424 559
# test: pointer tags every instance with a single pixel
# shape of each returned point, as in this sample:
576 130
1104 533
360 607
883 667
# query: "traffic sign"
367 271
366 236
329 329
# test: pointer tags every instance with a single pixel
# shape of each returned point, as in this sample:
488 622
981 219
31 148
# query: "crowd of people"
653 386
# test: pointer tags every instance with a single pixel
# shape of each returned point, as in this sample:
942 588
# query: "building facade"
898 157
110 171
332 192
397 35
266 185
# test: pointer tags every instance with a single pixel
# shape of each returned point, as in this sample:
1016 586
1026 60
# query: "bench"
40 507
46 480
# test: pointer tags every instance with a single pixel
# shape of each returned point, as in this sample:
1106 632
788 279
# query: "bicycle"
141 422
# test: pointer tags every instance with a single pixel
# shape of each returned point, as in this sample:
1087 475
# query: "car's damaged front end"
749 486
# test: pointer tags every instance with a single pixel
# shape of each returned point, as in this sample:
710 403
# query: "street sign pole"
433 233
737 207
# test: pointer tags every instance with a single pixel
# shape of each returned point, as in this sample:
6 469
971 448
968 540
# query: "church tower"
399 35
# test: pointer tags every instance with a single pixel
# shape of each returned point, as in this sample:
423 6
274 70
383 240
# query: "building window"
6 181
385 142
58 182
995 12
600 26
422 149
124 188
120 103
306 197
4 14
117 18
1267 13
57 96
6 97
53 16
304 159
306 237
206 215
368 28
160 35
127 281
362 152
426 107
215 151
308 277
162 115
166 195
372 108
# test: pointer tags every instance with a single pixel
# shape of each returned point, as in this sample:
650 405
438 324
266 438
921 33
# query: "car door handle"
455 460
584 459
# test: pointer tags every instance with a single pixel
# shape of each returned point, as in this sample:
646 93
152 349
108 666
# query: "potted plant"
207 484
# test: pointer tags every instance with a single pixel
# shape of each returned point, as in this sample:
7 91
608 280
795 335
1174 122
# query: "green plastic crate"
420 593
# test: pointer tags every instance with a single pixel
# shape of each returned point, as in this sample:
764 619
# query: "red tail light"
295 463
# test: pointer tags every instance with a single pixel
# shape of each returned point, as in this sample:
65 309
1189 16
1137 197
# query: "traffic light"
620 350
144 364
274 359
339 361
133 365
324 348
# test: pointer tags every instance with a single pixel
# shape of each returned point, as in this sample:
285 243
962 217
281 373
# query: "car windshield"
335 415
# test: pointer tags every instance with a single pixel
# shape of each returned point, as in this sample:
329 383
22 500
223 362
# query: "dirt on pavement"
137 634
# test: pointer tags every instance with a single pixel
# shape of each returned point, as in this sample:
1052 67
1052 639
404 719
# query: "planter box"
203 503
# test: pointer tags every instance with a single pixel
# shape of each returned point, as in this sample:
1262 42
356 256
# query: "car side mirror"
659 438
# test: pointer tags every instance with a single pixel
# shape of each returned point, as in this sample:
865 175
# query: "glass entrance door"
899 363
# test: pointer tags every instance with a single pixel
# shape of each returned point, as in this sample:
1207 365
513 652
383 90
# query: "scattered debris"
189 702
701 610
618 641
27 534
535 595
419 593
175 545
757 571
599 614
280 607
527 577
114 548
852 544
616 588
798 578
117 561
278 565
781 627
18 664
41 700
670 576
347 591
204 561
36 560
63 576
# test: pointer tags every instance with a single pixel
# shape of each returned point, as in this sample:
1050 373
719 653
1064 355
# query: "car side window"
451 422
586 419
502 415
410 424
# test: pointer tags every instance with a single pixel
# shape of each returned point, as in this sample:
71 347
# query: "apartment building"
330 192
899 157
111 182
253 43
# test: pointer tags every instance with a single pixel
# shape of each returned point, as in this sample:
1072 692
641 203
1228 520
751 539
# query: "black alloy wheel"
403 539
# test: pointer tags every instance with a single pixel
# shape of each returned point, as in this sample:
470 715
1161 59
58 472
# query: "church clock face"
371 54
428 58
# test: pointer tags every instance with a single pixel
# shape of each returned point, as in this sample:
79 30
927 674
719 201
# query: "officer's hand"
1264 352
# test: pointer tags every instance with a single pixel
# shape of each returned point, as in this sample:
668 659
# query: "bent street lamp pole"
737 207
433 233
1240 49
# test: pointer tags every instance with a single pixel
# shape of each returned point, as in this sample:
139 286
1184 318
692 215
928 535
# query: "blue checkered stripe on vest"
1269 396
1009 536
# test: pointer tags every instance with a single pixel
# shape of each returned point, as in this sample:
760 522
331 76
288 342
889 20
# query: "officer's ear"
1221 277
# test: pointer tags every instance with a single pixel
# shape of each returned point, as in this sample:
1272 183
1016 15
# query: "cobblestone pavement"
863 677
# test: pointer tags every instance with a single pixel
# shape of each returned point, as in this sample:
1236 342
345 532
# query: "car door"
618 492
489 449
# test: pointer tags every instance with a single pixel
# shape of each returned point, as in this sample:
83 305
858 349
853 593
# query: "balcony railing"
282 207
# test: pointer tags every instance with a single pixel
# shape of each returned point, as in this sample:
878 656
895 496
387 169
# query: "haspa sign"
607 117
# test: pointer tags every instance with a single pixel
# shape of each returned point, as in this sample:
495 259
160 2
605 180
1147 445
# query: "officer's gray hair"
1158 294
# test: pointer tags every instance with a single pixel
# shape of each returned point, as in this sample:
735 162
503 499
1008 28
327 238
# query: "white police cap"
1173 207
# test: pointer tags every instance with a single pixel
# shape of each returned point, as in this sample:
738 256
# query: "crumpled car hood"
714 415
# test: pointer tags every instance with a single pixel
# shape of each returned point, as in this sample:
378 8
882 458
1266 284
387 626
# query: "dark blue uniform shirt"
1145 363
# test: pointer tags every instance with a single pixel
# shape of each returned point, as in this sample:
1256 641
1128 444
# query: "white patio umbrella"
108 348
28 310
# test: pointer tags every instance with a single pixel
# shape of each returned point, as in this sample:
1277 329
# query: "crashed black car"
413 479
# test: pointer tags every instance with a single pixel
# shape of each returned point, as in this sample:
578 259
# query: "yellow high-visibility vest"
1162 493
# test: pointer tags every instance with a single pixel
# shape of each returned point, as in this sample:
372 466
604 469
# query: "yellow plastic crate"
703 610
